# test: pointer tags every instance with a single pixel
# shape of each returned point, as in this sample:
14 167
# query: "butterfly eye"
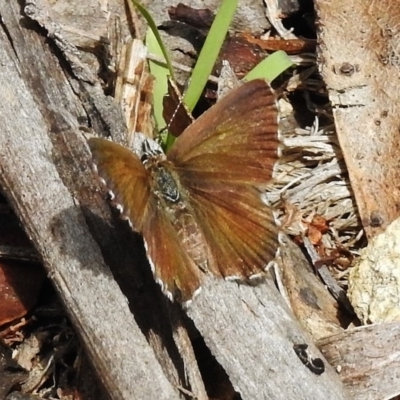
144 158
150 148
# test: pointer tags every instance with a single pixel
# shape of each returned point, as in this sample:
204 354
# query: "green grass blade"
271 67
153 27
209 53
160 73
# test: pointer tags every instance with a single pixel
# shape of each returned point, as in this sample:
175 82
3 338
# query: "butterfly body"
163 181
172 199
200 207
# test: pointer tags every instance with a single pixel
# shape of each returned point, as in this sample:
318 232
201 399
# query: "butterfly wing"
221 159
173 269
125 177
237 226
128 180
236 140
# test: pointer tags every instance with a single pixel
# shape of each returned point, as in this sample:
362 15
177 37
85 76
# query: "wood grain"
367 359
359 56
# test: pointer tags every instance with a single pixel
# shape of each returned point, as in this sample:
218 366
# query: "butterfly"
200 206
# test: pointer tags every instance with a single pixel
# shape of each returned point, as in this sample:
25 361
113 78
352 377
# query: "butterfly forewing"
235 140
125 176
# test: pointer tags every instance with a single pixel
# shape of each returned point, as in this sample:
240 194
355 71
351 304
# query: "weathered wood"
359 54
314 307
251 332
367 360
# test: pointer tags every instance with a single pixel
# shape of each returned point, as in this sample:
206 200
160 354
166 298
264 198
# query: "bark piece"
241 323
359 61
249 12
312 304
367 360
20 284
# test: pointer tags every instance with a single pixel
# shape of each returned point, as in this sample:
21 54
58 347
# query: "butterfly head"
151 150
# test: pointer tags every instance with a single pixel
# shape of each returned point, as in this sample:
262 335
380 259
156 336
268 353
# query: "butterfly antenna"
180 103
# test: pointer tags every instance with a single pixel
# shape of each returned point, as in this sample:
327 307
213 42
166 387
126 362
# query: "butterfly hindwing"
238 227
176 272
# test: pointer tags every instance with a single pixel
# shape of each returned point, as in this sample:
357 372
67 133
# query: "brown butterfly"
199 207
